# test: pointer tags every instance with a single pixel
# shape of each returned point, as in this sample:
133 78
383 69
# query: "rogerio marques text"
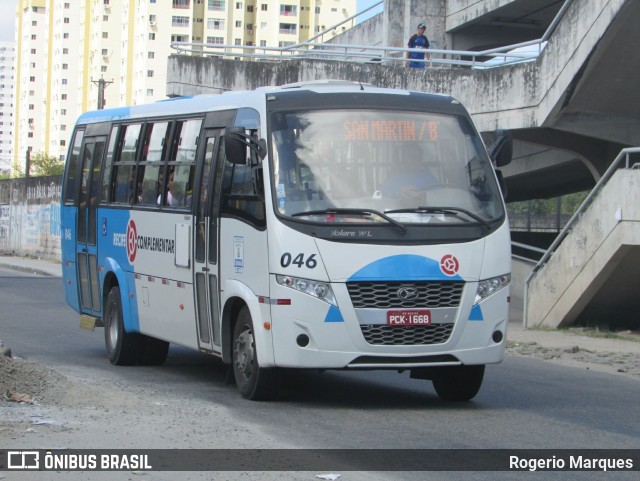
569 463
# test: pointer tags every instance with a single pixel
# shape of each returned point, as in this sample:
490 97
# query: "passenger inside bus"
169 199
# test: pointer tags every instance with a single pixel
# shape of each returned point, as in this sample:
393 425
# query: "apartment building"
7 84
79 55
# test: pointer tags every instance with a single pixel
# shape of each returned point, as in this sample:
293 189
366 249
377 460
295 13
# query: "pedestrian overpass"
571 110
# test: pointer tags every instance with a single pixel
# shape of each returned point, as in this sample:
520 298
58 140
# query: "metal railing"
374 53
624 155
527 248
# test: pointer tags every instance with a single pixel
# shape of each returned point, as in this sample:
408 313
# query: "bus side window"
182 191
124 179
185 141
106 177
181 166
238 196
71 181
154 150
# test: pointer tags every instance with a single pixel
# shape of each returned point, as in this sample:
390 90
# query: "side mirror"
235 145
501 149
236 142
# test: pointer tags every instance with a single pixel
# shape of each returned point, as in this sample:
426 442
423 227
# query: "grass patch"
594 331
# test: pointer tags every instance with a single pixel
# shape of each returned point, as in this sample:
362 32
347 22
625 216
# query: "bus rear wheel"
253 382
458 383
122 346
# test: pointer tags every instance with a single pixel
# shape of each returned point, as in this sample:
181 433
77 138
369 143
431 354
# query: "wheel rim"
245 353
114 329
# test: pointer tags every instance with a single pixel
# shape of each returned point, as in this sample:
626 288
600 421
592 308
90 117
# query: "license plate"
420 317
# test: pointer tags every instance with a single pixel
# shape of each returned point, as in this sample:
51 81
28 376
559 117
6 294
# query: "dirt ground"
622 363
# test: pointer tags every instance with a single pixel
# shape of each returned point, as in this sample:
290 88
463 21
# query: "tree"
43 164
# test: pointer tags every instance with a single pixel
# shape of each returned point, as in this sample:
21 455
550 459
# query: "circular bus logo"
449 265
132 241
407 293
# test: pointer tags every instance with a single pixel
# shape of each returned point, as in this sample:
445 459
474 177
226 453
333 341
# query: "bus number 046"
287 259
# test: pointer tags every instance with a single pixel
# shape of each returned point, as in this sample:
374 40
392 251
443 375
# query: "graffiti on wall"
30 219
5 219
44 191
54 220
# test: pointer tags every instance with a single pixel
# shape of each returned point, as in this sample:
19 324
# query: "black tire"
152 351
458 383
253 382
122 346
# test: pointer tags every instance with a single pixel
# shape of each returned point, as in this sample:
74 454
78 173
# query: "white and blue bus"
321 226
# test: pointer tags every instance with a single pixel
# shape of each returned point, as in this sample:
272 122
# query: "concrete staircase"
593 274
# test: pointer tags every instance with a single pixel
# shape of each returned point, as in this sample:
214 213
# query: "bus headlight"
320 290
489 287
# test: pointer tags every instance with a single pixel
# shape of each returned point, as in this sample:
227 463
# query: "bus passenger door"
207 291
86 249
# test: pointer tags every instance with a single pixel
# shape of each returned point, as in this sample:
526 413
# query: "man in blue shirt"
418 40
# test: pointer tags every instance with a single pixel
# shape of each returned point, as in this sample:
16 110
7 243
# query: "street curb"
29 270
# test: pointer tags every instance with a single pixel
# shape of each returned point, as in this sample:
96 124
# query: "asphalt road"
524 403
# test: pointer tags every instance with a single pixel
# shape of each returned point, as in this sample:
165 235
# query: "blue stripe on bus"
334 315
403 267
104 115
476 313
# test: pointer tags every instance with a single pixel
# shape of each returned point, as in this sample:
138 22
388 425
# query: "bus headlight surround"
317 289
489 287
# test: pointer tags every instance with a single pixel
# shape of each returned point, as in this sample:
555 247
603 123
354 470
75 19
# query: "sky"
361 5
7 19
8 9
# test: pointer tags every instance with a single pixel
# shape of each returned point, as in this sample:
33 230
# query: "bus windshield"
363 166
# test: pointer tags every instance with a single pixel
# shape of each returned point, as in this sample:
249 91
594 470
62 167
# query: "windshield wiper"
441 210
363 212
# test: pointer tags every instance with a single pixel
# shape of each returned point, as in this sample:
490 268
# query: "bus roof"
231 100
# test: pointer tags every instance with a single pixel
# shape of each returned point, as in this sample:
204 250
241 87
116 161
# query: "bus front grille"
382 335
390 295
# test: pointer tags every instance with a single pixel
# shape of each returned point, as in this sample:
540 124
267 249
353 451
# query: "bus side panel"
165 309
139 247
68 247
113 257
244 272
69 278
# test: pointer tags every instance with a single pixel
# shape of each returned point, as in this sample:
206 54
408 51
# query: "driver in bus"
410 177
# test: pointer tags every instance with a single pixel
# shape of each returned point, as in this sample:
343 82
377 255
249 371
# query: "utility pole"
27 163
102 85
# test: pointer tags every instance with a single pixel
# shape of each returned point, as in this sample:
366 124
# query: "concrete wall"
522 96
30 216
368 32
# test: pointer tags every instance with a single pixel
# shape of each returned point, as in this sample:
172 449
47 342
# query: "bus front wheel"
252 381
458 383
122 346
